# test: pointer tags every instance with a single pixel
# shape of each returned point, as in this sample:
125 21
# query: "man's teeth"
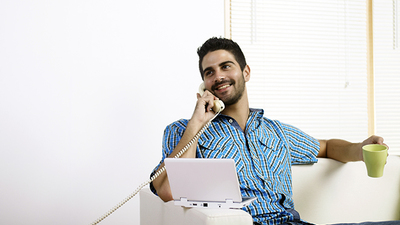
225 86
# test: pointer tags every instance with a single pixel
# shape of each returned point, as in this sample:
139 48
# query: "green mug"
375 159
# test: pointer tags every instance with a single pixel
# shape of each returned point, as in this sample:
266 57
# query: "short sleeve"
303 147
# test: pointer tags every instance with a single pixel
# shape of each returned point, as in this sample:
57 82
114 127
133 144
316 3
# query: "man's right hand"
202 112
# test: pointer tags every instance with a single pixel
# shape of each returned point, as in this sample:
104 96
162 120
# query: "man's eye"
225 67
207 73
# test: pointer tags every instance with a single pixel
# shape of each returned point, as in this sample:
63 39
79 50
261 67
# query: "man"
263 149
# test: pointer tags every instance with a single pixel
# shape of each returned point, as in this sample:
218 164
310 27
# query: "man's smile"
224 86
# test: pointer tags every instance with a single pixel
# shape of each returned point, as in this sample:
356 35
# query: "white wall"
86 90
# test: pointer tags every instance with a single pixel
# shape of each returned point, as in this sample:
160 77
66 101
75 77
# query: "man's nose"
219 76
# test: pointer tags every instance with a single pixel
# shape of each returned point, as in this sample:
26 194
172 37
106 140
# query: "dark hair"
214 44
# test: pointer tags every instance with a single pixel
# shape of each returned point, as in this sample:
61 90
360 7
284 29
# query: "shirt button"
230 121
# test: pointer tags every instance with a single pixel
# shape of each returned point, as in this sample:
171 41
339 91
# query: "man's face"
223 76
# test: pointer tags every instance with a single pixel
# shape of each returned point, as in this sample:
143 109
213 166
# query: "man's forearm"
343 151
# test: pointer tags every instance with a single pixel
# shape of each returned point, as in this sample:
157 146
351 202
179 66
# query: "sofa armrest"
156 212
334 192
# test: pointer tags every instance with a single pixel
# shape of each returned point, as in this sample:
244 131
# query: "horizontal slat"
308 62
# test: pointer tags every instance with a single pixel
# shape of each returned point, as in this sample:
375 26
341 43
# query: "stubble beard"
239 89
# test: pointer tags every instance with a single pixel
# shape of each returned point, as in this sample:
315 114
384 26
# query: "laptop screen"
203 179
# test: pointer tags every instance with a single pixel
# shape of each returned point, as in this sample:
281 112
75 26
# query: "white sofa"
324 193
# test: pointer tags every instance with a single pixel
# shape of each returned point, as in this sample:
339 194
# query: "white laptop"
207 183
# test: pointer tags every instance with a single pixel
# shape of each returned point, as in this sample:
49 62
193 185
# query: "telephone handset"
218 104
217 108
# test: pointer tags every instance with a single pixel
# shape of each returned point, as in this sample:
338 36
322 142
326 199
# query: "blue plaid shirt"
263 153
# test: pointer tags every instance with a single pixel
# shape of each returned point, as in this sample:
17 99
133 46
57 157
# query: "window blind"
308 63
387 71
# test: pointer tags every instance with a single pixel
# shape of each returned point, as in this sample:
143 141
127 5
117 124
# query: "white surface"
86 90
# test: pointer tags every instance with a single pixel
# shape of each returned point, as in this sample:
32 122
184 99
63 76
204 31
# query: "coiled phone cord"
158 173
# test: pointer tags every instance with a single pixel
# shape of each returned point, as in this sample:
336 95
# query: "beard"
238 91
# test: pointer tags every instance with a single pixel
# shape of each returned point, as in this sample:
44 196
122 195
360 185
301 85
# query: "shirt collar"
254 120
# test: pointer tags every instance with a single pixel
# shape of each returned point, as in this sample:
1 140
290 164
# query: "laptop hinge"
228 200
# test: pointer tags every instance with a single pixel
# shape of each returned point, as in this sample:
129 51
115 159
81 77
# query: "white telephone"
218 104
217 108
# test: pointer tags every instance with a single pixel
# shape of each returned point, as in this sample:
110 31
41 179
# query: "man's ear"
246 73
